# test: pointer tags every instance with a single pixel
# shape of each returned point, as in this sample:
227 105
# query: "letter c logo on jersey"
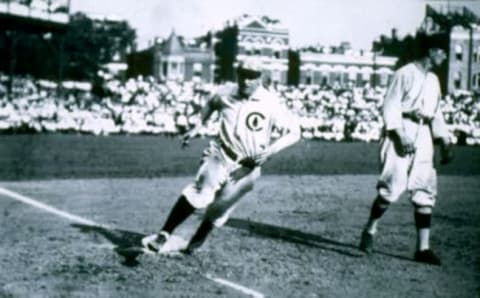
255 121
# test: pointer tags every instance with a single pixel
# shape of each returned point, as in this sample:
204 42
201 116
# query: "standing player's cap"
432 41
248 71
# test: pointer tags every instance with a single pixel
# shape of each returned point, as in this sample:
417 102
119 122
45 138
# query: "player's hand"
446 153
404 145
185 141
248 162
186 138
261 158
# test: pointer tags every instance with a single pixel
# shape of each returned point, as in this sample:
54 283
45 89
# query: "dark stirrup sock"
180 211
200 235
378 208
422 220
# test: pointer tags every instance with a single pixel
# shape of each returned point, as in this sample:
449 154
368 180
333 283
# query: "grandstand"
34 15
143 106
26 17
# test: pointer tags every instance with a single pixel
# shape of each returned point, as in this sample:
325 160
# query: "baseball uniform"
412 104
245 131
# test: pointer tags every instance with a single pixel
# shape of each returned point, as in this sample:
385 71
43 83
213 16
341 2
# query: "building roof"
451 16
259 22
173 45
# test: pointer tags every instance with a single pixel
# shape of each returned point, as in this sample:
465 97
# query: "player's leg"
226 201
180 211
378 208
198 194
423 189
422 185
391 184
424 254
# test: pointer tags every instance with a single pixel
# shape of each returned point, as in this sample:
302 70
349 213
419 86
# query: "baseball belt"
228 151
415 117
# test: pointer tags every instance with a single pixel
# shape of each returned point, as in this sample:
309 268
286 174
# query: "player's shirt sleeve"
392 104
439 127
286 120
288 123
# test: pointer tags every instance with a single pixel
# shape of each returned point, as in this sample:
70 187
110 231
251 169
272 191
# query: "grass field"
295 235
84 156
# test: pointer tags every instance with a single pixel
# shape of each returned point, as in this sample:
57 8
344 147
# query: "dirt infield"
293 236
298 240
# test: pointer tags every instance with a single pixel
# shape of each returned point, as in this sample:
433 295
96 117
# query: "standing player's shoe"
427 256
187 251
366 243
155 242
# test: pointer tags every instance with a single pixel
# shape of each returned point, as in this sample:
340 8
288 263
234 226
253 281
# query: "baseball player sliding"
412 120
249 113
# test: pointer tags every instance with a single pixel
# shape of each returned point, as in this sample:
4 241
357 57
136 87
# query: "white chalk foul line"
45 207
78 219
235 286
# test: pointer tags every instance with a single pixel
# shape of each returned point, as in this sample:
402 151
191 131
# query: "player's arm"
213 104
440 132
439 127
291 135
392 115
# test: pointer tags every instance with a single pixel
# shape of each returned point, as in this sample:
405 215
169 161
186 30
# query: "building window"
276 55
258 53
197 69
164 68
276 76
383 79
457 80
359 81
458 52
476 55
324 81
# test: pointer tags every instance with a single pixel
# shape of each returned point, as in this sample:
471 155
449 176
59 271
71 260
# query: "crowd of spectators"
143 106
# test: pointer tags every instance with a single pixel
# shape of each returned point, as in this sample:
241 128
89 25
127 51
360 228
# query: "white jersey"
413 90
246 126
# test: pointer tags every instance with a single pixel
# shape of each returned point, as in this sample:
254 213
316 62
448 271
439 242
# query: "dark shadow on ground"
298 237
122 240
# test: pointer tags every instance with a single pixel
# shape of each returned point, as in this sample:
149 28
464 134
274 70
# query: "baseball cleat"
366 243
187 251
155 242
427 256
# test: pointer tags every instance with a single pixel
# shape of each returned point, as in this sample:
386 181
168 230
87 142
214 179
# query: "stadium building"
113 55
174 59
178 60
460 27
265 42
342 67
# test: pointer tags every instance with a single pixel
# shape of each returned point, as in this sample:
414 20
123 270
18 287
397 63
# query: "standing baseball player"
412 121
230 165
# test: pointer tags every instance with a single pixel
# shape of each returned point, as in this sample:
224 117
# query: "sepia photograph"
240 148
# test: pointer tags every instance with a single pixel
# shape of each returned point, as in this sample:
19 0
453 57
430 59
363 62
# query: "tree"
293 76
91 43
226 50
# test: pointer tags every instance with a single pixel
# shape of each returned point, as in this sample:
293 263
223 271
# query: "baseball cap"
248 71
432 41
